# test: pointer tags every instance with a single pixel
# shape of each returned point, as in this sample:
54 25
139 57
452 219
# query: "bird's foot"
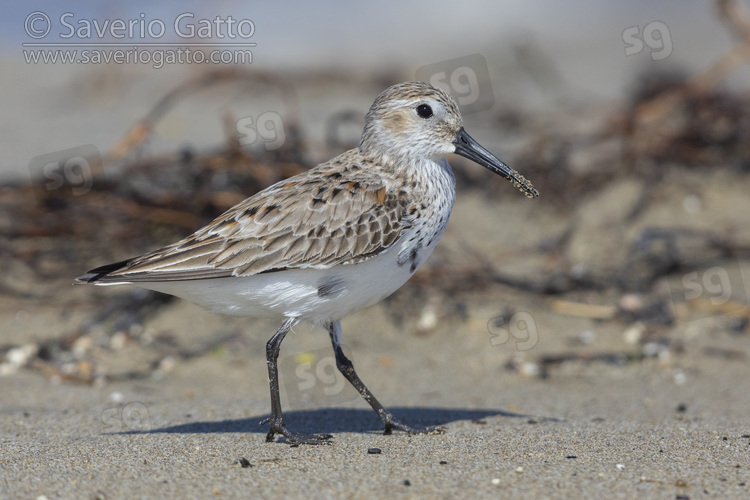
294 438
392 424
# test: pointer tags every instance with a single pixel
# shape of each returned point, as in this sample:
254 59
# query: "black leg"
346 368
278 426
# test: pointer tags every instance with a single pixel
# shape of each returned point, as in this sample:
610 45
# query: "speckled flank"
331 286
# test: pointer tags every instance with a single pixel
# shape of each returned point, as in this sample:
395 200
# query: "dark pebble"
374 451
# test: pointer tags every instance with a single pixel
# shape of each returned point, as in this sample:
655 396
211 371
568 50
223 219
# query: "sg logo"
655 36
466 79
314 374
70 170
715 290
269 127
132 417
520 326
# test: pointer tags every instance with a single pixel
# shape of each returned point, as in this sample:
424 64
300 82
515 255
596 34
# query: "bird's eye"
424 111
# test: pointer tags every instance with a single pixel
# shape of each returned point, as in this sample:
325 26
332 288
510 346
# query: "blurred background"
538 55
631 118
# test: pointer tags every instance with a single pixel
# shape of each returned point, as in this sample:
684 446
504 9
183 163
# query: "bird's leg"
346 368
278 426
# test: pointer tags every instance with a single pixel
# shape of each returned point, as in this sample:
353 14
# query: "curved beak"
471 149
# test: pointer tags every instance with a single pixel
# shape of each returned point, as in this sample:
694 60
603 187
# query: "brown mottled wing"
317 219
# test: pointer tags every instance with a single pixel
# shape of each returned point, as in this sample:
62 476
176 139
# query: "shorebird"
329 241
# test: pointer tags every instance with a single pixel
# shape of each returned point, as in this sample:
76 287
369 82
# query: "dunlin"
330 241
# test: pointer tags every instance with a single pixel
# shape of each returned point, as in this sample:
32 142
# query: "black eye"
424 111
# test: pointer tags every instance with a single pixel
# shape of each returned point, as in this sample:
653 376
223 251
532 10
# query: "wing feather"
320 218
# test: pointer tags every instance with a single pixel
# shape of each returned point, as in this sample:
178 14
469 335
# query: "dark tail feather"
100 272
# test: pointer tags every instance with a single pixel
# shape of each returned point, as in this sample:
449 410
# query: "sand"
653 422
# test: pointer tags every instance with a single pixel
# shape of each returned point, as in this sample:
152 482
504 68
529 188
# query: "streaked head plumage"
412 119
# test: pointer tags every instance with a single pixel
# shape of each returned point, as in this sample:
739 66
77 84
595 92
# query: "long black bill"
471 149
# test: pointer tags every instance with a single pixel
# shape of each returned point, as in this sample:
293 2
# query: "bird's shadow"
335 420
